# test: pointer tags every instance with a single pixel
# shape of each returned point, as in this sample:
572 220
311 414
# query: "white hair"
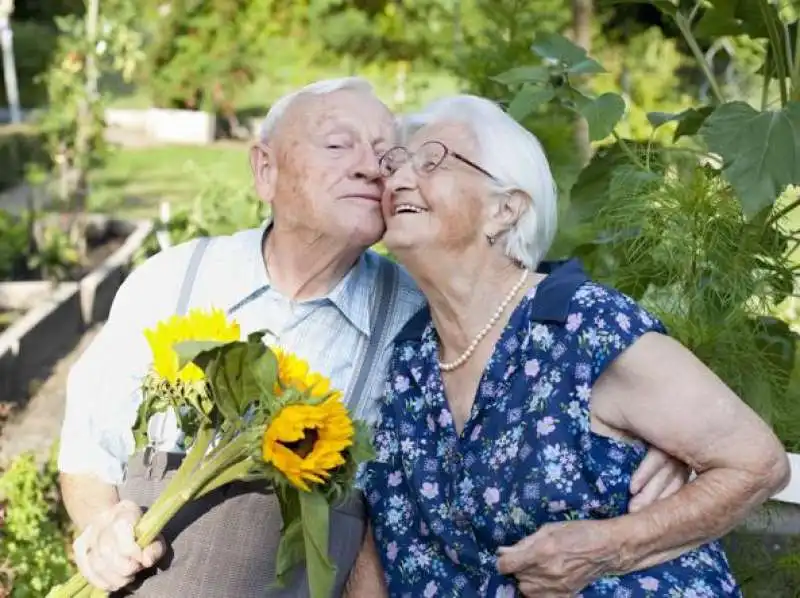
278 109
515 157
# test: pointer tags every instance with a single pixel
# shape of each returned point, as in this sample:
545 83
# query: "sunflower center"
305 445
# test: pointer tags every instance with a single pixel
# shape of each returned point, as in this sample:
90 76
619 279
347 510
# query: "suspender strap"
191 275
382 306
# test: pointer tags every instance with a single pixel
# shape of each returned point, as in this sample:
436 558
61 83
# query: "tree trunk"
582 15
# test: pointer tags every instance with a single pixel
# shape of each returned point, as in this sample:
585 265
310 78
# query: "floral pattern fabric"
442 503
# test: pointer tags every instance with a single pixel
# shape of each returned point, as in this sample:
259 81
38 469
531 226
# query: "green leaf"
362 449
528 99
761 150
556 47
689 121
315 516
523 74
291 551
233 379
189 351
602 114
265 373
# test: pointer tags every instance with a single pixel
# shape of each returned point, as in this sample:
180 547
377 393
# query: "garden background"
672 126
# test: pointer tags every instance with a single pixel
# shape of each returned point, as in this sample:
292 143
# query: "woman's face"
436 191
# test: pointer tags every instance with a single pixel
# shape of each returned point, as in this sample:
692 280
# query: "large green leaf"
523 74
189 351
602 114
529 99
232 378
573 58
761 150
315 515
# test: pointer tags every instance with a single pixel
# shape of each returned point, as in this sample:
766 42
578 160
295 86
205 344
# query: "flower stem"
193 476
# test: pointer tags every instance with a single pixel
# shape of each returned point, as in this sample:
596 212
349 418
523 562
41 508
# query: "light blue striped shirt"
103 390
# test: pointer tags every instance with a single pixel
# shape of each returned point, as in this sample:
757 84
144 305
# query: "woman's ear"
264 171
506 213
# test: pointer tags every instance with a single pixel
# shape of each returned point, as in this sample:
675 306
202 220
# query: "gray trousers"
224 545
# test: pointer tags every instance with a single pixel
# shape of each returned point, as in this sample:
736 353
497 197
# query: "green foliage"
220 208
697 237
34 45
75 123
203 52
21 146
14 246
35 534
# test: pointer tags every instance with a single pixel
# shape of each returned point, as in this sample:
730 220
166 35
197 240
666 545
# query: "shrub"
35 533
21 146
34 45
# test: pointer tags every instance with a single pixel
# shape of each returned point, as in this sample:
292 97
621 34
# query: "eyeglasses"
425 160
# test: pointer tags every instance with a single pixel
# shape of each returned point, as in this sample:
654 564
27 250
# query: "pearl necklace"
449 367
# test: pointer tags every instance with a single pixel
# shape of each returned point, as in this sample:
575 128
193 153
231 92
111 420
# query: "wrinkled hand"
560 559
658 476
106 552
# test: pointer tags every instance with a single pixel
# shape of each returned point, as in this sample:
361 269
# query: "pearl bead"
462 359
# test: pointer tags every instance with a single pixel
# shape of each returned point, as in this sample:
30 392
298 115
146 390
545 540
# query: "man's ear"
506 213
265 173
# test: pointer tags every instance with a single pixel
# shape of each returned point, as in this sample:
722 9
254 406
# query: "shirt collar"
551 301
351 296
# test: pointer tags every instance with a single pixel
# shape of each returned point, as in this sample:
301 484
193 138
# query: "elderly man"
308 277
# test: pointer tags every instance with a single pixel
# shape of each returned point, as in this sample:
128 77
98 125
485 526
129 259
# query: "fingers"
664 482
512 559
107 554
153 553
652 463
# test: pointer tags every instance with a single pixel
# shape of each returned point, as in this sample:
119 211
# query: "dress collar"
551 297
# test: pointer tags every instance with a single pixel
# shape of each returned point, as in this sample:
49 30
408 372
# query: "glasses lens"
393 160
429 156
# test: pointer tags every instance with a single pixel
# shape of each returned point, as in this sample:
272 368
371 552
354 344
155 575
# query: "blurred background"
670 126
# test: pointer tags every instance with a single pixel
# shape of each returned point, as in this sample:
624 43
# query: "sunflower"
295 372
197 325
305 442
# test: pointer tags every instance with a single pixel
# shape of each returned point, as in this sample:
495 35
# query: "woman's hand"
560 559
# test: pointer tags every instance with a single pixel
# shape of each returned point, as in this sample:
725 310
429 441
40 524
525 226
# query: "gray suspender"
191 275
382 304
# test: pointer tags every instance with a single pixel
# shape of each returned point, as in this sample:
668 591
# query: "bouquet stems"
198 475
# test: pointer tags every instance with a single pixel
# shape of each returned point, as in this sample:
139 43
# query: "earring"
491 239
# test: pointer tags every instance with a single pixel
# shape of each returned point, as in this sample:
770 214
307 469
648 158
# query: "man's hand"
658 476
559 560
106 552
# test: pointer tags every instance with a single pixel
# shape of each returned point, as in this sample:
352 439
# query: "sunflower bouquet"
248 412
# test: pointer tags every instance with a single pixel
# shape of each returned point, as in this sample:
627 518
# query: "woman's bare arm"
660 392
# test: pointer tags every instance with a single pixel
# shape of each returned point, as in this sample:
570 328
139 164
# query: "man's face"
322 165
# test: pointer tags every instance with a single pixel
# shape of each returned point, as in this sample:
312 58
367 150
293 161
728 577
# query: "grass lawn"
135 181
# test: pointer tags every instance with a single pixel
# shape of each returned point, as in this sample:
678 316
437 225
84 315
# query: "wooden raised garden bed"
40 321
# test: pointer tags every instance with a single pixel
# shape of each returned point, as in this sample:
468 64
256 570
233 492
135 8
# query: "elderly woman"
522 400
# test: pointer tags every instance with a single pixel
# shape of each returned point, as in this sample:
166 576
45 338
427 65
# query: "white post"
9 67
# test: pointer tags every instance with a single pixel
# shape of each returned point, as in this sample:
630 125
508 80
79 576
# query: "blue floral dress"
442 503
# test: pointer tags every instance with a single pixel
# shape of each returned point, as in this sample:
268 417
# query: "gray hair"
515 157
279 108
